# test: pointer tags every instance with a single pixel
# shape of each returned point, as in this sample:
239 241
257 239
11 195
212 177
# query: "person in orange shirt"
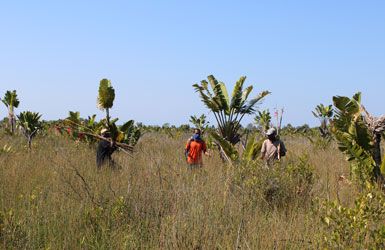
194 149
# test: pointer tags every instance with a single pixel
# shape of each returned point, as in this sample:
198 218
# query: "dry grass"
54 198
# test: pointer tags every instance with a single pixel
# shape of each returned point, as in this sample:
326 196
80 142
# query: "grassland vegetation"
54 197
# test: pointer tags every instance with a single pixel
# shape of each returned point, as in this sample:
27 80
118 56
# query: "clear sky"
55 52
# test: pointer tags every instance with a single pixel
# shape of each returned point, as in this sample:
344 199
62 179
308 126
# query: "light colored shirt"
270 150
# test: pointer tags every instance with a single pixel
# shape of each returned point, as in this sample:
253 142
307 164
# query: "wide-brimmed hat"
271 131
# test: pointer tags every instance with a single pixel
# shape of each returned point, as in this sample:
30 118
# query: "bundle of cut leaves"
89 131
78 128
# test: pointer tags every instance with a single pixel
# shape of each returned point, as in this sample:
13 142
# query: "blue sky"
55 52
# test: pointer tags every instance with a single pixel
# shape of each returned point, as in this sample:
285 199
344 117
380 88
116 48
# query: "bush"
279 186
359 227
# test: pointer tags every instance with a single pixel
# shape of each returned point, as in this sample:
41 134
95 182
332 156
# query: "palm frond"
30 125
207 99
250 107
224 96
228 149
236 97
74 116
10 99
252 150
106 95
220 94
228 114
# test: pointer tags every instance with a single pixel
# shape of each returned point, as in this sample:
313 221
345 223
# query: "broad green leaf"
106 95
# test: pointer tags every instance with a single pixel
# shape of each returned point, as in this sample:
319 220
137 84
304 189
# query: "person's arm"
263 150
204 149
187 148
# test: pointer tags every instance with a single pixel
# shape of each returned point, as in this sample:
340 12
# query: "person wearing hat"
272 148
194 148
105 150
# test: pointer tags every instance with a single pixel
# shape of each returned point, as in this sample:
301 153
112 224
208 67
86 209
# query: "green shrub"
279 186
359 227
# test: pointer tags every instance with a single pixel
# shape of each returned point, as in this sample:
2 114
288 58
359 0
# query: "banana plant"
228 111
199 122
30 125
263 120
357 139
324 114
106 97
11 101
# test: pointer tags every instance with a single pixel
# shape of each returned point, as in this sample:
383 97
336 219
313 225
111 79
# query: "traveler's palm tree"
228 111
263 120
11 101
30 125
324 114
359 137
199 123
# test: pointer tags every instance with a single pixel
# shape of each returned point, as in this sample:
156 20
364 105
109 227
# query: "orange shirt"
195 150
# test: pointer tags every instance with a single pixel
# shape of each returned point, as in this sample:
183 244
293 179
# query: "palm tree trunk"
30 143
11 122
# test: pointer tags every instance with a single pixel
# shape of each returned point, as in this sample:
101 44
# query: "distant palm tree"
324 114
30 124
199 122
228 112
263 120
11 102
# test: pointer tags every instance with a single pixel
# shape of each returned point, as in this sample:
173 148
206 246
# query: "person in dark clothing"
105 150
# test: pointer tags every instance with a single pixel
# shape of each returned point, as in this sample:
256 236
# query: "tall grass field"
54 197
